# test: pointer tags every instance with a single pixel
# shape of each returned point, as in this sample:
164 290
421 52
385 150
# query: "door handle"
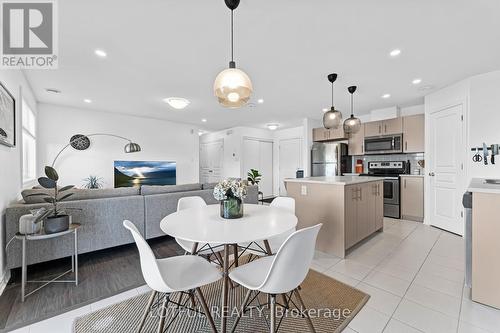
432 174
385 128
379 129
378 189
360 197
405 183
406 145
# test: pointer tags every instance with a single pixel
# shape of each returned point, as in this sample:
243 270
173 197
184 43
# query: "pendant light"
352 125
332 118
232 86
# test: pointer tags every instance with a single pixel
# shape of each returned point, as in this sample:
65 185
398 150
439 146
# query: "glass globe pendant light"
332 118
232 86
352 124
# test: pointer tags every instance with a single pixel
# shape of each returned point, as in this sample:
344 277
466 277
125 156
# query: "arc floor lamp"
82 142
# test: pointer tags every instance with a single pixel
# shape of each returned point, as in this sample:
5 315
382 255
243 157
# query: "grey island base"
350 208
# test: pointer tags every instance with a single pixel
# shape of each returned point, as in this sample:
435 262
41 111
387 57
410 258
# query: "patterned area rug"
331 304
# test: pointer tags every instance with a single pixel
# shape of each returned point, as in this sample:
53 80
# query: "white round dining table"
205 225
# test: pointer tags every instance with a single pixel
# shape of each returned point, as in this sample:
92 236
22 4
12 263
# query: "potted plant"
230 193
254 177
92 182
55 219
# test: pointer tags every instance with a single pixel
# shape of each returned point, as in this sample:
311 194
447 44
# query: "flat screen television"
137 173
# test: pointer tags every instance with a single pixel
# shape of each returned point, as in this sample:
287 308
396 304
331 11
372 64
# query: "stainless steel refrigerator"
330 159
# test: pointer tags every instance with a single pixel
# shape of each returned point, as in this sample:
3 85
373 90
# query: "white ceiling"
162 48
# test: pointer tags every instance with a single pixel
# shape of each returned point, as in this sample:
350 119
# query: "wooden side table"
73 228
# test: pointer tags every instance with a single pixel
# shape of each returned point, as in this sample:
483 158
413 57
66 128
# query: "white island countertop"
479 185
338 180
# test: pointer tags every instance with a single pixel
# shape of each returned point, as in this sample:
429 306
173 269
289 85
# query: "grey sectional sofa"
101 213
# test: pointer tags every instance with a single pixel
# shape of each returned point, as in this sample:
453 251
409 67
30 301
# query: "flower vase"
231 208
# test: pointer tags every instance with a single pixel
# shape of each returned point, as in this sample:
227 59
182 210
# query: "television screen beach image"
137 173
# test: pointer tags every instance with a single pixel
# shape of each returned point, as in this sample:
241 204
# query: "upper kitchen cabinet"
357 142
384 127
414 134
323 134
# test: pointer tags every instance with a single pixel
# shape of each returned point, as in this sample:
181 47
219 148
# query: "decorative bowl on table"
230 193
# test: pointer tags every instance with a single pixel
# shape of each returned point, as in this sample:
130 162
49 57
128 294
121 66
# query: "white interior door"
211 161
445 169
290 159
258 154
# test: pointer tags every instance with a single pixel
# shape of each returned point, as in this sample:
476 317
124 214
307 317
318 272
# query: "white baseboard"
4 280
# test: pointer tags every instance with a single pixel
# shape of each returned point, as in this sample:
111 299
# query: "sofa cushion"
159 189
81 194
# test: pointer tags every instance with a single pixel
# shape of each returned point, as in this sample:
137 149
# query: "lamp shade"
332 118
233 88
352 125
132 147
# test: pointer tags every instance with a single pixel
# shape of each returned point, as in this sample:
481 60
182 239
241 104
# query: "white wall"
285 134
10 158
160 141
484 121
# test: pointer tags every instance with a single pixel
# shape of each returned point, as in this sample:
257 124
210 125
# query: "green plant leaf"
49 200
47 182
65 188
65 197
38 194
51 173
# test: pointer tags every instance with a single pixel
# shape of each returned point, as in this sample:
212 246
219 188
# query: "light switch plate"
303 190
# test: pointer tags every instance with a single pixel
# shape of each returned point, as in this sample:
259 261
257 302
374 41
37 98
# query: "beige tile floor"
413 272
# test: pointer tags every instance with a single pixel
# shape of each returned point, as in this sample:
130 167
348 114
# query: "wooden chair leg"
163 314
206 309
146 311
308 319
242 310
273 314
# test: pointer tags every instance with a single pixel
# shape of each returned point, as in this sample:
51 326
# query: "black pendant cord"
332 97
232 36
352 112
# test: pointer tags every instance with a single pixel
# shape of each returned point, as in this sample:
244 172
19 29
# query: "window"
29 143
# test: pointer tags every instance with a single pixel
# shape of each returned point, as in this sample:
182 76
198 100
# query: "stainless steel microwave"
390 144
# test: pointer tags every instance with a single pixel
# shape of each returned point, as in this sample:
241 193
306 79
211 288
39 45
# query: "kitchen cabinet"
357 142
414 134
363 211
384 127
412 198
323 134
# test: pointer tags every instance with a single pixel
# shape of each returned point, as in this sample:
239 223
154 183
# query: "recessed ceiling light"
260 101
53 90
204 120
86 100
416 81
100 53
178 103
395 52
272 127
325 109
386 95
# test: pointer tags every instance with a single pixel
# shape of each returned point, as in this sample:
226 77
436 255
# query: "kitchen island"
351 209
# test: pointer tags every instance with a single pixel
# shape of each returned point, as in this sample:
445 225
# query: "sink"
492 181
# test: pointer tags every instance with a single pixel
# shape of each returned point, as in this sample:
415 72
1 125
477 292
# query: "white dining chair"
164 276
257 248
187 246
280 274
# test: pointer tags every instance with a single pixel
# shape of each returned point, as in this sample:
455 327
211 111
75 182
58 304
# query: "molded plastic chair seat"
182 273
253 274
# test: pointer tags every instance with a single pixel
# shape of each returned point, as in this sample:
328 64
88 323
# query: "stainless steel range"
390 171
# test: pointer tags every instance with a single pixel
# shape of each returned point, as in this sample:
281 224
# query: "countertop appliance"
388 144
390 171
330 159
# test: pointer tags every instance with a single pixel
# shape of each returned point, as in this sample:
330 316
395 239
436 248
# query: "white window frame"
26 131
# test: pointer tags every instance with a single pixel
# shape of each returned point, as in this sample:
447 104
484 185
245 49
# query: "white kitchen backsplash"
413 158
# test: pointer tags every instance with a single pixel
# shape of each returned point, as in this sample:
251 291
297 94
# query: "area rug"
331 305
